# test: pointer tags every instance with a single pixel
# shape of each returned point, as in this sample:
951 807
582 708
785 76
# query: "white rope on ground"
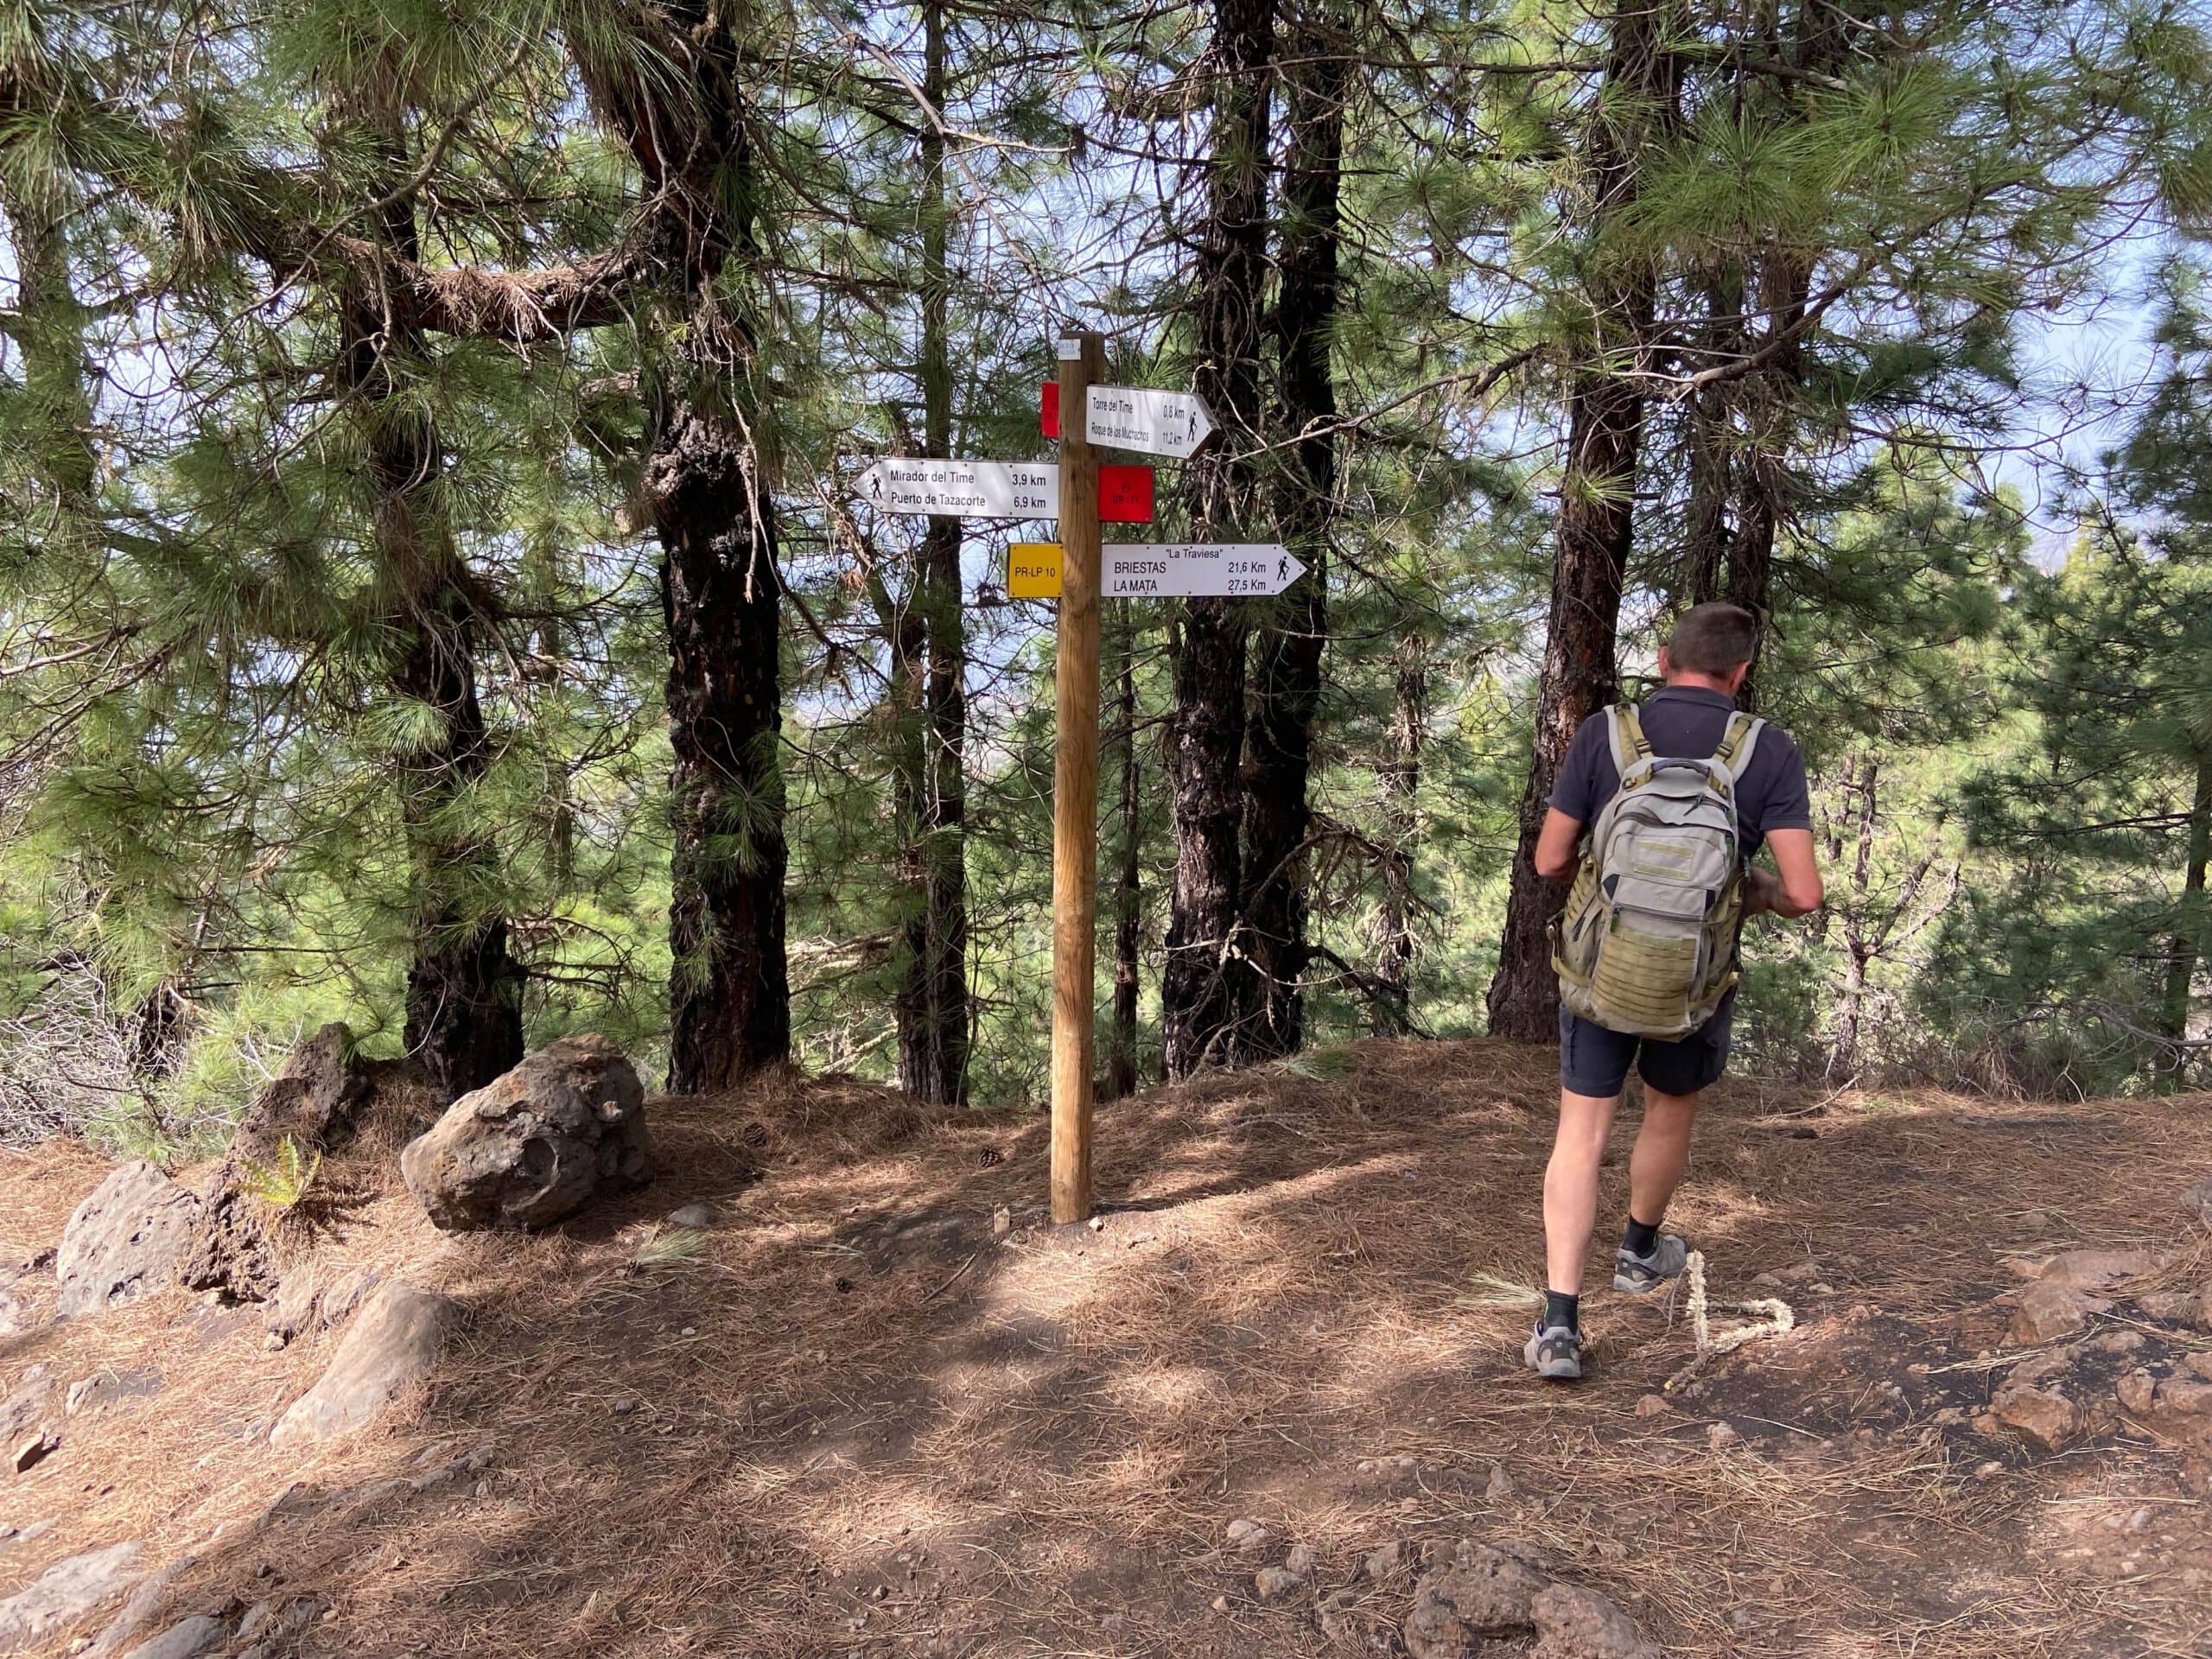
1773 1318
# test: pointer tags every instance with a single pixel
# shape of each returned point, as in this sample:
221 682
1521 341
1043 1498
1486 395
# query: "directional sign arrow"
1175 425
999 489
972 489
1196 569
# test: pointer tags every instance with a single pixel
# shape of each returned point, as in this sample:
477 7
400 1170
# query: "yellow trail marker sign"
1033 570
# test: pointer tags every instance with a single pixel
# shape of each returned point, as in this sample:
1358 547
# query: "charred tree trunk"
932 1003
464 989
2188 940
1596 513
1392 1014
1122 1043
1206 988
671 90
1277 814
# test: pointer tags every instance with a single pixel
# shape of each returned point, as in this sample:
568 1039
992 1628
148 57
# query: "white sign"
967 489
1196 569
1171 423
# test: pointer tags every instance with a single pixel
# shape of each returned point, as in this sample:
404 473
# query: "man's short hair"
1715 639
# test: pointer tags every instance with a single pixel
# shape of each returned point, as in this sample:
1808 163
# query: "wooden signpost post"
1079 569
1075 788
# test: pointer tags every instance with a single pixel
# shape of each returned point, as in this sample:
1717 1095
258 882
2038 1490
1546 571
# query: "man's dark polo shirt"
1687 722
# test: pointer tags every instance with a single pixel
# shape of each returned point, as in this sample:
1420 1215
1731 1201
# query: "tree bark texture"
1597 511
464 988
1207 990
931 1007
1278 817
673 93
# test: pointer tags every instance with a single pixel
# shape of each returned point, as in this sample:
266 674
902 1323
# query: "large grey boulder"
123 1240
533 1146
65 1593
393 1341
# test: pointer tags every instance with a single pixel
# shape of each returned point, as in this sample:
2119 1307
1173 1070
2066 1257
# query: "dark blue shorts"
1594 1061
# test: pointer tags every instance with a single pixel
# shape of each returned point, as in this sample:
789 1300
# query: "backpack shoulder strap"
1736 743
1630 745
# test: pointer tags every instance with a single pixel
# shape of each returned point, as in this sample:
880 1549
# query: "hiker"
1677 798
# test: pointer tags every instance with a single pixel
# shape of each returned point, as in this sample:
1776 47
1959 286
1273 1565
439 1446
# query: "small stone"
2095 1270
1572 1623
35 1451
1096 1224
2049 1309
2042 1419
1277 1583
2170 1306
1302 1560
1651 1405
1246 1537
1002 1222
187 1639
1720 1436
699 1216
2136 1390
1499 1487
2196 1203
1221 1604
2200 1362
2183 1395
1382 1562
624 1407
1482 1592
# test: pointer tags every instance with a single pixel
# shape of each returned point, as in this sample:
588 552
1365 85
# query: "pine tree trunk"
1708 532
1278 817
729 1000
1597 516
2189 939
932 1004
1207 993
671 92
464 989
1121 1042
1399 777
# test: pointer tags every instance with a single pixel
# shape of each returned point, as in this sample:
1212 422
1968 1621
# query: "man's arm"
1559 843
1796 890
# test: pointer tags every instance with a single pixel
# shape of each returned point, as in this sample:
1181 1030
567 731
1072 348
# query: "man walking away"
1676 797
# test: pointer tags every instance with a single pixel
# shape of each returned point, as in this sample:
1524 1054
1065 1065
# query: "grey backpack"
1647 943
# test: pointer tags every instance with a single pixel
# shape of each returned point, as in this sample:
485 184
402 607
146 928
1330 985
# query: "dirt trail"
853 1419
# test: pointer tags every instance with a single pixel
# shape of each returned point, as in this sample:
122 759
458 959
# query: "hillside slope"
853 1418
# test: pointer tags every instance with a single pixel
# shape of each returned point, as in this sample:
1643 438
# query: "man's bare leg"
1586 1123
1659 1155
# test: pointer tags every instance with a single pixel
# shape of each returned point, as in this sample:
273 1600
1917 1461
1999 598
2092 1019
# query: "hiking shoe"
1555 1353
1640 1276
